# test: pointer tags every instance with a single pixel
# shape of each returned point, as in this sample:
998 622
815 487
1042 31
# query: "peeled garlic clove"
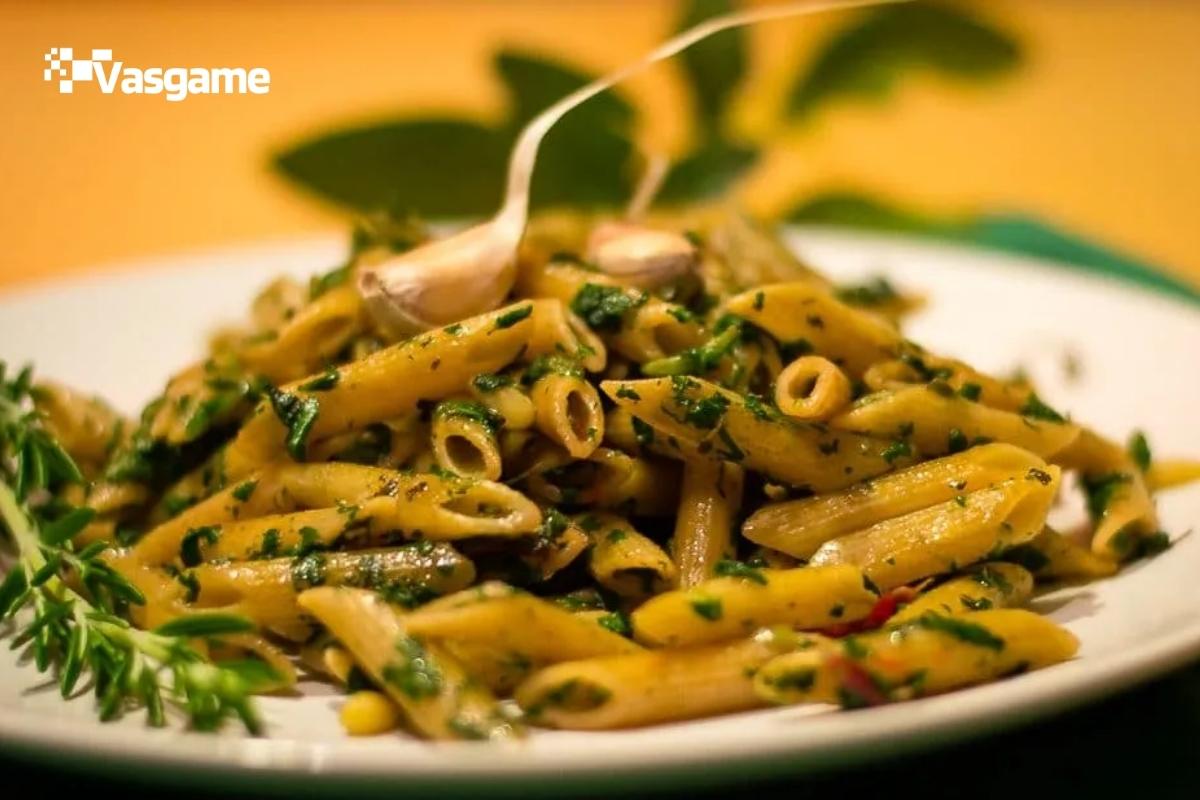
442 282
641 256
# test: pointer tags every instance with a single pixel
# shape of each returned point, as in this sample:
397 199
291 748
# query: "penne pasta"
945 537
709 500
800 527
724 426
426 682
727 608
926 655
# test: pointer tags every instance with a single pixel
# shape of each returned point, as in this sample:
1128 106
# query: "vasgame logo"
173 83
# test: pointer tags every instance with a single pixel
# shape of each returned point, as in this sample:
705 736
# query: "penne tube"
611 479
1053 556
384 501
806 317
727 608
266 591
938 423
948 536
812 388
508 620
1169 473
653 686
567 411
926 655
464 439
435 692
709 500
728 427
646 327
505 397
800 527
560 332
623 560
991 585
390 382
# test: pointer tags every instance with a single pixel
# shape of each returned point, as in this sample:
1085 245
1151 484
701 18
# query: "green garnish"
471 410
1101 489
244 490
510 318
78 626
1139 450
414 674
604 308
875 292
542 366
489 382
297 414
323 382
730 568
962 630
1035 408
192 542
708 608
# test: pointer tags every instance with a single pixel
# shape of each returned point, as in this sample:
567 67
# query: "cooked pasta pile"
677 473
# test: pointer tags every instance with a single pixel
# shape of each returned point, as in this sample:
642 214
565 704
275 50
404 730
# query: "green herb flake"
971 391
471 410
642 432
487 382
708 608
626 393
1036 409
308 571
1139 450
542 366
895 451
414 674
730 568
604 308
797 680
875 292
956 441
190 546
323 382
297 414
244 490
510 318
1102 489
962 630
616 622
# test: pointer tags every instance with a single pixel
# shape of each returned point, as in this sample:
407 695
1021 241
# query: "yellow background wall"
1100 130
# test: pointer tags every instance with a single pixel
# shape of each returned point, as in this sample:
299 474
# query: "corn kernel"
368 713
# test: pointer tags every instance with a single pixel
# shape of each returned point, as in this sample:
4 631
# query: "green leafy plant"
68 602
440 166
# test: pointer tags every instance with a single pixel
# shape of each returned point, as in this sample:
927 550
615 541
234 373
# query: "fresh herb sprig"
80 629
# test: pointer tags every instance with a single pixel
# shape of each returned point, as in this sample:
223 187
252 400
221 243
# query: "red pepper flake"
887 605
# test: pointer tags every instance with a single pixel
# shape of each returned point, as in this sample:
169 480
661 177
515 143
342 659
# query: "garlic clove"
444 281
643 257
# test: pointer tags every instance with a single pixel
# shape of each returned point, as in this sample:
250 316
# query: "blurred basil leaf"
445 166
585 158
714 66
436 167
871 54
706 172
1010 233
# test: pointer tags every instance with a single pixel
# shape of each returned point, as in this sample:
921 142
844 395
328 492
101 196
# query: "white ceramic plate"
122 332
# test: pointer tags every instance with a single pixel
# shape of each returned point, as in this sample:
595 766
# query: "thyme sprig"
74 599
